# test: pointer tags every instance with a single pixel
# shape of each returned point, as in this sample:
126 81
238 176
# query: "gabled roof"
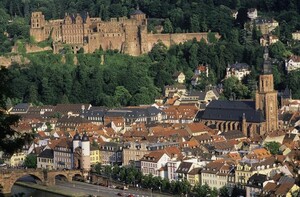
257 180
197 127
269 187
153 156
295 58
64 143
283 189
21 107
194 171
47 153
136 12
176 74
233 134
260 20
184 167
232 111
201 95
239 66
74 108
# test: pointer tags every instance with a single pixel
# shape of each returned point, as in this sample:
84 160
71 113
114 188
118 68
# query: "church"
251 117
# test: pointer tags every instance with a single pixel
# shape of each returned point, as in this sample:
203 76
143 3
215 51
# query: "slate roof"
232 111
201 95
75 108
239 66
134 112
136 12
286 179
184 167
95 112
257 180
260 21
21 107
195 171
83 15
47 153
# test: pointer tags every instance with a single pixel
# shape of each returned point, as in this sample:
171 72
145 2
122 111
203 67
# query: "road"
89 189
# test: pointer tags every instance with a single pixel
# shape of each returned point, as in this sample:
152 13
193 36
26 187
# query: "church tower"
266 96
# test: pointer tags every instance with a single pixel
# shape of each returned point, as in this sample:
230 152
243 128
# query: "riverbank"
50 189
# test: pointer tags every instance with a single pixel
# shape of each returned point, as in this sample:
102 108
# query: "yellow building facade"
14 160
95 156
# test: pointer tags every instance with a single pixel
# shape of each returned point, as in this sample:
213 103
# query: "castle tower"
266 96
135 30
37 26
85 145
138 15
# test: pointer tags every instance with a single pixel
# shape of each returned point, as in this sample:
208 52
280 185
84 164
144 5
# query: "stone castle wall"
128 36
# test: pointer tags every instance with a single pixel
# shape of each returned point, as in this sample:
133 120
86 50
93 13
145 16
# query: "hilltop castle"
128 36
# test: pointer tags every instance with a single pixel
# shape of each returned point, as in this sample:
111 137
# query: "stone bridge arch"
9 179
68 174
76 176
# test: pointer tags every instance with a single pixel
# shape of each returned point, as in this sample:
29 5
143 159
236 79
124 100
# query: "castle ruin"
129 36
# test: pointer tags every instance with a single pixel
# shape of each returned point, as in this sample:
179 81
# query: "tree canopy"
10 140
30 161
88 81
273 147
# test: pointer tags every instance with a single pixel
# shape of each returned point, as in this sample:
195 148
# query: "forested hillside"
125 80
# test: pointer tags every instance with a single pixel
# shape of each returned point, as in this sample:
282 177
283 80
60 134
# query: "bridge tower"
85 145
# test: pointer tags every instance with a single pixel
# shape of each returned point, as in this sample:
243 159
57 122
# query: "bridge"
45 177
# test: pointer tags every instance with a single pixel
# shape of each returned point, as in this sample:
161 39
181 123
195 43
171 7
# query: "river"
18 190
21 191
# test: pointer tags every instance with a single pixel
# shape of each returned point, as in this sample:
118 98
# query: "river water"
21 191
18 190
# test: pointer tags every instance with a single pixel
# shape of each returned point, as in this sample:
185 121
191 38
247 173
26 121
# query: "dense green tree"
195 23
98 168
10 140
279 51
273 147
168 27
122 95
204 190
115 171
293 81
224 192
233 88
30 161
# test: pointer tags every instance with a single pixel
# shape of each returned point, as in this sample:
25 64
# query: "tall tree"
30 161
10 139
168 27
